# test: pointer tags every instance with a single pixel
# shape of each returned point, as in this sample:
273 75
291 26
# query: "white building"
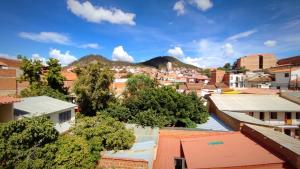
60 112
169 66
272 109
285 76
258 80
237 80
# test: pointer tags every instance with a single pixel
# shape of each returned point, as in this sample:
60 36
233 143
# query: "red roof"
227 150
8 100
10 62
70 76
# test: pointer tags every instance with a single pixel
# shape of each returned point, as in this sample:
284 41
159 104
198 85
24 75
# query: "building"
273 110
285 77
169 66
256 62
258 80
235 80
60 112
217 76
210 149
119 86
6 108
295 61
70 77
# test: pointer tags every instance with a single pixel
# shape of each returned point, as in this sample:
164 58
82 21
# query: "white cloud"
179 7
176 51
36 56
119 54
64 58
270 43
99 14
48 37
90 45
228 49
203 5
241 35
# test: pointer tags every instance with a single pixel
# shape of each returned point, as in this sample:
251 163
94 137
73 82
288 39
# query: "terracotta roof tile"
8 100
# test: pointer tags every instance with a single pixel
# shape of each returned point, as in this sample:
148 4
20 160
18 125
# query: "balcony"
288 121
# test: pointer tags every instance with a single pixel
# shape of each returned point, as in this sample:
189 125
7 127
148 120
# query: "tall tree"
139 82
53 76
32 69
92 88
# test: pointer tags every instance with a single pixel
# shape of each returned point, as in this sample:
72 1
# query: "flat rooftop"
251 102
214 124
227 150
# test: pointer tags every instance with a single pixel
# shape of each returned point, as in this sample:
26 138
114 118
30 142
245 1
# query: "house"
258 80
6 108
210 149
295 60
70 77
234 80
274 110
60 112
286 77
119 86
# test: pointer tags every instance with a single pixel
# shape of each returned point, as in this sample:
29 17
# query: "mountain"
157 62
161 62
98 58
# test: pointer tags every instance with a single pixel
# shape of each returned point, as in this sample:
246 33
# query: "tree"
165 107
53 76
103 132
92 88
19 140
206 72
227 67
139 82
32 69
42 90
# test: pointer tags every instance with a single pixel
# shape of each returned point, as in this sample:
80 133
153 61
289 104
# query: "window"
273 115
298 115
261 115
180 163
251 114
65 116
286 75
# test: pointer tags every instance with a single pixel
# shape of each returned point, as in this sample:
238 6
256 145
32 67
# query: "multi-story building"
258 80
286 77
256 62
235 80
217 76
295 60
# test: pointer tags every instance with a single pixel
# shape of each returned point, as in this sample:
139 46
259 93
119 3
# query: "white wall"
233 79
280 118
281 80
65 126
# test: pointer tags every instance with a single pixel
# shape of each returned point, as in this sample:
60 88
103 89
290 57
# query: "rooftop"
215 124
8 100
250 102
242 117
40 105
280 138
226 150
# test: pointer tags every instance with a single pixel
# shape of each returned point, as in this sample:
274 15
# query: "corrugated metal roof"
215 124
280 138
250 102
246 118
37 106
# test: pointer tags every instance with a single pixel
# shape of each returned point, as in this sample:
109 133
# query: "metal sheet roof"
215 124
250 102
280 138
37 106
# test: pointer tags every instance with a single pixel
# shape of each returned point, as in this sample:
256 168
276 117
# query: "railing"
288 121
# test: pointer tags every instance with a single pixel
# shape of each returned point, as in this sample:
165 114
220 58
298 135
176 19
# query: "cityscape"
183 84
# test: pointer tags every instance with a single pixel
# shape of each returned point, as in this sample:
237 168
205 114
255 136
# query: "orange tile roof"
2 64
11 62
8 100
258 91
227 150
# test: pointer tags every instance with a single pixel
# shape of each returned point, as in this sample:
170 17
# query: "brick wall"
7 73
251 62
122 163
217 76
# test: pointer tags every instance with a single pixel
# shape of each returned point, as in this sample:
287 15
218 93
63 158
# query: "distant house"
60 112
6 108
258 80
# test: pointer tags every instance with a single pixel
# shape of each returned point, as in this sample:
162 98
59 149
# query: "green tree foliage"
206 72
161 107
42 90
104 132
139 82
92 88
19 140
32 69
53 76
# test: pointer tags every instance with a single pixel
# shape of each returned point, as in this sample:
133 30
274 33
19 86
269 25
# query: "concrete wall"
6 113
115 163
280 118
281 80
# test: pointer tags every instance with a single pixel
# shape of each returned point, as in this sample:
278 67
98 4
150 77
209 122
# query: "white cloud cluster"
176 51
228 49
119 54
203 5
97 14
90 45
47 37
179 7
270 43
64 58
242 35
36 56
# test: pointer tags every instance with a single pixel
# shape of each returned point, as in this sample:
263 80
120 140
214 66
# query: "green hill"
161 62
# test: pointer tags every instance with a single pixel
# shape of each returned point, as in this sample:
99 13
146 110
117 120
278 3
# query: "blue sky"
206 33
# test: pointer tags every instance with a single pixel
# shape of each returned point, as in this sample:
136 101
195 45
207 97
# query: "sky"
205 33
